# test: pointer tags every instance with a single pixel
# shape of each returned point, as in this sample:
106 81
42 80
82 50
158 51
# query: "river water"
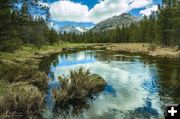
137 86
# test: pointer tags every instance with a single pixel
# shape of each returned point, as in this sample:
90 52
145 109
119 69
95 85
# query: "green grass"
3 87
27 51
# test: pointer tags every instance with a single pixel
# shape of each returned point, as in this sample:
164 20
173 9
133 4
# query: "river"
137 86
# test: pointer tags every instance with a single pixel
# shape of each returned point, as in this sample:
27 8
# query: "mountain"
72 29
113 22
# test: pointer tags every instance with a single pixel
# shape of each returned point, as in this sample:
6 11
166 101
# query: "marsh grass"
21 99
3 87
154 50
27 51
76 89
22 85
36 78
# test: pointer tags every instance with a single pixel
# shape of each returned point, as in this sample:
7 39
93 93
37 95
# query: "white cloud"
140 3
149 10
108 8
70 11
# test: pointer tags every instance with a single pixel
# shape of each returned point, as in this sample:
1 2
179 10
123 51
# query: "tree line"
161 27
18 26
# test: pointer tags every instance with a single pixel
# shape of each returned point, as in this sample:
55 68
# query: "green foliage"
161 27
18 27
168 23
52 36
11 45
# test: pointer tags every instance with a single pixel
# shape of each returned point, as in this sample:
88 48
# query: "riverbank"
22 84
12 64
141 48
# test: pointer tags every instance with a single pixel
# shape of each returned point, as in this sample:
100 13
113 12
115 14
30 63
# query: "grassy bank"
142 48
28 57
28 52
22 85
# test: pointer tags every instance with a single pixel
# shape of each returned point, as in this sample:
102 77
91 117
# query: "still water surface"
137 87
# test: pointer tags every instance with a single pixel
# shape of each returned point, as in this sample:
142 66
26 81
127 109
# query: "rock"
77 89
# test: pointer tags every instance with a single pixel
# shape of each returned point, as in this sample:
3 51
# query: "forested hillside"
19 27
162 27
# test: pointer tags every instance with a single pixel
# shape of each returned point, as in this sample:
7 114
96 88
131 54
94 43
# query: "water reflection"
134 87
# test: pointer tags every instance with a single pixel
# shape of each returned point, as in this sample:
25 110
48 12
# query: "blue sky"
90 3
86 13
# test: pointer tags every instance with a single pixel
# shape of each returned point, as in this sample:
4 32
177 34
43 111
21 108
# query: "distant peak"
118 20
72 29
121 15
125 14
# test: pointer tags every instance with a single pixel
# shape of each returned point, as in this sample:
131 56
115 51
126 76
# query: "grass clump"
3 87
13 72
21 100
77 89
36 78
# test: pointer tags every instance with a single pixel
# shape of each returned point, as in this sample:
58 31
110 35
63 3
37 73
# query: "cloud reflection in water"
131 85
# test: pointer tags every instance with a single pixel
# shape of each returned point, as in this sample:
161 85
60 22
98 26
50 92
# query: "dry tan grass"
145 48
129 47
22 100
165 52
36 78
15 72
